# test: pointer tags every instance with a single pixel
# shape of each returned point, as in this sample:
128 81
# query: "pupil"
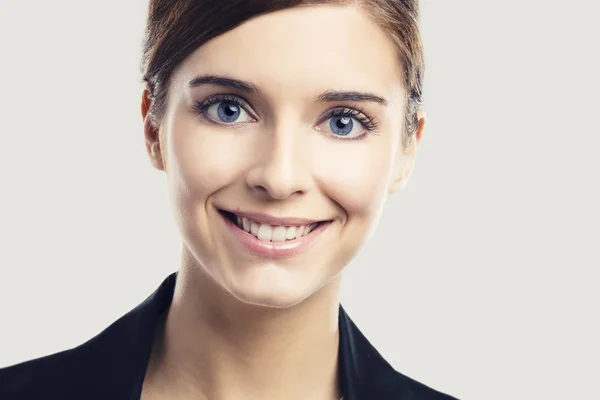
228 112
343 122
341 125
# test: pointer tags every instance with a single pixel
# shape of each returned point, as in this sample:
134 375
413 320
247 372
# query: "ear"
406 159
151 131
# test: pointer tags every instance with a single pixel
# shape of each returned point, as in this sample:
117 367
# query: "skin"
268 327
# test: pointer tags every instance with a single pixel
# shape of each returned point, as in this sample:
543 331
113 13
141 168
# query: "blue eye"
341 125
347 124
224 110
228 112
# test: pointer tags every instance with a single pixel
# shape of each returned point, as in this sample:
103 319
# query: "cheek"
357 175
201 162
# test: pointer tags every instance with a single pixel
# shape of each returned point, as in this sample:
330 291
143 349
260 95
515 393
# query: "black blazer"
112 365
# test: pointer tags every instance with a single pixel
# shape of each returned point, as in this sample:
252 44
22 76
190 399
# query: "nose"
280 169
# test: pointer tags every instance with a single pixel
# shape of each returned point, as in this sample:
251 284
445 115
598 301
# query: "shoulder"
387 383
366 374
108 366
406 388
92 370
52 376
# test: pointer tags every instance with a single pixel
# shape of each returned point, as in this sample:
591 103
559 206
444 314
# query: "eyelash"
368 123
200 107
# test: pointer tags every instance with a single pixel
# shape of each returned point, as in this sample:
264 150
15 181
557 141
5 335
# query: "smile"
273 237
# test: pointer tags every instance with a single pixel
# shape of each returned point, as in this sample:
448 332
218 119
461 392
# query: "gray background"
482 278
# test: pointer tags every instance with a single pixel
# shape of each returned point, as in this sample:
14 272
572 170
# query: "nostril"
262 190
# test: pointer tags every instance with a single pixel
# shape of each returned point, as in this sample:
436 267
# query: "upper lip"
272 220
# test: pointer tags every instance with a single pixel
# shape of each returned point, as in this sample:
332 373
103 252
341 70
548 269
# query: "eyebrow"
327 96
223 81
334 95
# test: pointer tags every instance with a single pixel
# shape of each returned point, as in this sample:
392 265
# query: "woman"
281 127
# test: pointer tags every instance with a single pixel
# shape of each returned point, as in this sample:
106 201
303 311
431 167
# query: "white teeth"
246 224
269 233
279 234
291 232
254 228
265 232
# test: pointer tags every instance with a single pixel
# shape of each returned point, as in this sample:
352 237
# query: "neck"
212 345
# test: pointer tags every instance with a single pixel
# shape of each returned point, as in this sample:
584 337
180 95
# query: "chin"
268 300
270 286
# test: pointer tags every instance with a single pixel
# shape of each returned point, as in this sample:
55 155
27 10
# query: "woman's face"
282 138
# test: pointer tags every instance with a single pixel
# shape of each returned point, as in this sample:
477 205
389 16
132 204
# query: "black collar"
113 364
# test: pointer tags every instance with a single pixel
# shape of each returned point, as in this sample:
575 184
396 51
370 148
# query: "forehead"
302 48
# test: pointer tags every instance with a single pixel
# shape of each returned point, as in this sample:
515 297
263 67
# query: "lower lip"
289 248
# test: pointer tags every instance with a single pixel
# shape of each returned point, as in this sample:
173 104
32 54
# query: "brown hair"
176 28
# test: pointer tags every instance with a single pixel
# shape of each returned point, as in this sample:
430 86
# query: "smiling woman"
281 127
